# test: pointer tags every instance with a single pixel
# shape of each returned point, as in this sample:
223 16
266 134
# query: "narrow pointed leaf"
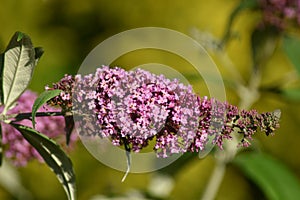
55 158
274 178
41 100
18 66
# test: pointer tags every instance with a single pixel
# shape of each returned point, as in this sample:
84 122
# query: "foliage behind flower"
132 108
16 147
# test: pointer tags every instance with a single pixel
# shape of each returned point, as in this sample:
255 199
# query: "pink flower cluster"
279 13
133 108
16 147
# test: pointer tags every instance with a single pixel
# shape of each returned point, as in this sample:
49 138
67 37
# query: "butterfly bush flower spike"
280 13
137 109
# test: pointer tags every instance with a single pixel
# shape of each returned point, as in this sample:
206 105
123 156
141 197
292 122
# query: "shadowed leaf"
55 158
39 51
69 123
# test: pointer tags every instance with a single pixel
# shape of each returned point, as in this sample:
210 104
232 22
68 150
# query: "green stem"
248 95
222 159
22 116
215 181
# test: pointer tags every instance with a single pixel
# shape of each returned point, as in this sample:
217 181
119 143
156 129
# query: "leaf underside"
18 65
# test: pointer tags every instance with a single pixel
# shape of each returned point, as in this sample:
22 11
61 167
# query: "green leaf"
274 178
55 158
19 36
18 66
293 93
291 46
244 4
43 98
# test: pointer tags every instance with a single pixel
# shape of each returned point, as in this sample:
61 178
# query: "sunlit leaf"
55 158
41 100
291 46
274 178
18 66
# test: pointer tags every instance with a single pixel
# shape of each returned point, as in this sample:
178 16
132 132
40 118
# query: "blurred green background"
69 30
